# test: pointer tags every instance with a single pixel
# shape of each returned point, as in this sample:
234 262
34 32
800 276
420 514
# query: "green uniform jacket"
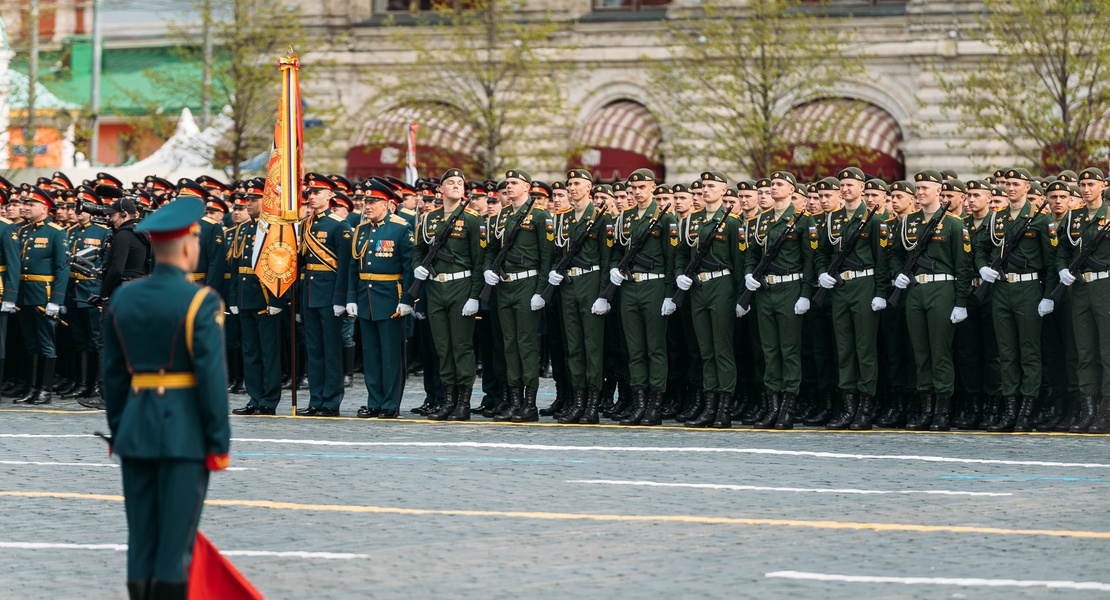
870 251
724 251
245 290
658 250
597 247
796 255
950 247
1037 245
325 258
82 237
43 251
1079 229
535 244
146 332
978 237
382 250
9 260
211 264
465 245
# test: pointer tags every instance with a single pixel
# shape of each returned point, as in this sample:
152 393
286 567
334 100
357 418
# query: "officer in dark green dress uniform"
9 270
86 238
44 277
379 274
166 403
325 256
213 261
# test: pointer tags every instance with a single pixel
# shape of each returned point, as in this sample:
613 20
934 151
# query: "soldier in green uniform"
1057 336
819 374
936 301
379 276
9 270
164 390
580 289
645 292
86 239
453 285
1019 296
325 250
749 351
44 277
1088 298
857 294
213 259
518 296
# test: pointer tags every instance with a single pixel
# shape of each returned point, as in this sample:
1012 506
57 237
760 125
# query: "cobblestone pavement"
413 509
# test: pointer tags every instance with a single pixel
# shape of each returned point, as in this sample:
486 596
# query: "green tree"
733 72
1044 89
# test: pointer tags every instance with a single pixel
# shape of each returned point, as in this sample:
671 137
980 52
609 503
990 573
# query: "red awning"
441 143
617 139
865 135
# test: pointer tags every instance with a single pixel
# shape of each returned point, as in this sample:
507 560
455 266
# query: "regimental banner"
277 261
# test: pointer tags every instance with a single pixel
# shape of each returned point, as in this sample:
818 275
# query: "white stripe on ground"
83 464
655 449
956 581
756 488
123 548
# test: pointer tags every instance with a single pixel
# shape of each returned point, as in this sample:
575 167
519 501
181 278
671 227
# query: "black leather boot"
822 409
138 590
512 405
724 411
738 406
556 406
708 413
448 407
774 403
462 404
168 590
83 389
694 405
593 398
348 366
1102 417
34 380
671 405
652 415
638 406
1007 418
1085 416
573 414
862 422
1024 418
924 414
499 406
991 405
941 413
845 418
971 414
527 412
43 394
760 405
785 419
891 414
235 371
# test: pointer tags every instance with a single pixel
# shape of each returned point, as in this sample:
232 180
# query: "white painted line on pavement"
82 464
756 488
957 581
123 548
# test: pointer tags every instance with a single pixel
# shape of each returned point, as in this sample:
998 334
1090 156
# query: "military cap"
679 188
254 188
730 191
238 200
947 174
928 175
158 183
377 190
316 181
60 179
745 186
520 174
1068 176
1091 173
989 179
785 176
188 187
541 189
341 199
619 186
579 174
501 185
211 183
811 188
1036 189
66 197
852 173
173 220
1075 191
491 188
453 172
641 175
876 184
1048 180
714 176
1018 173
762 182
215 203
35 193
998 192
978 184
663 188
954 185
43 182
341 183
86 194
603 189
999 173
558 185
828 183
1058 186
142 199
695 185
106 179
908 187
475 188
1039 181
800 188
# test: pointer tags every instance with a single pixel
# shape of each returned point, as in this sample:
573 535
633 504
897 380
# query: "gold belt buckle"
703 277
771 280
1088 277
846 276
637 277
922 278
1011 277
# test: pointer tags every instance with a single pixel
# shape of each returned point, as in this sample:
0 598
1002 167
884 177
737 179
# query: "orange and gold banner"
277 262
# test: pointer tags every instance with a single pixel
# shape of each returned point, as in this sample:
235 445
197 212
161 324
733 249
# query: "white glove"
554 278
420 273
403 309
878 304
7 306
751 283
419 316
1066 277
273 310
959 313
537 302
52 309
339 310
741 311
683 282
298 317
901 281
615 276
470 308
600 307
826 281
988 274
668 307
1046 306
801 306
234 309
491 278
351 309
62 309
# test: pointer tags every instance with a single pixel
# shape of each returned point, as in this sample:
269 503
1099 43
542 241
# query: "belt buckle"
637 277
846 276
1011 277
703 277
1088 277
771 280
921 278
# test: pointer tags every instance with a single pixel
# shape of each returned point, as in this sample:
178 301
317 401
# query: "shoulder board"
752 218
955 215
56 226
407 211
471 211
104 227
5 221
561 212
397 220
1002 209
335 217
209 220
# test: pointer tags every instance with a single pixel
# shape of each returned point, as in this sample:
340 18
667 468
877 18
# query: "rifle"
840 260
691 269
571 257
1086 257
917 256
437 250
1003 256
633 254
767 263
506 253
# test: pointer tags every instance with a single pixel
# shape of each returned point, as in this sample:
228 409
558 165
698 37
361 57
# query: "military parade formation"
847 303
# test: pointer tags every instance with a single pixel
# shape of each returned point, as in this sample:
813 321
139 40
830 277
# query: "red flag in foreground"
212 576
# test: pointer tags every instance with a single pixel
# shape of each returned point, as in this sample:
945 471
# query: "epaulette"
397 220
56 226
471 211
1001 209
101 226
561 212
956 215
751 218
407 211
336 217
209 220
5 221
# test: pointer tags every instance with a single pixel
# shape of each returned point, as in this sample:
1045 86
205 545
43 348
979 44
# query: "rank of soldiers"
848 303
